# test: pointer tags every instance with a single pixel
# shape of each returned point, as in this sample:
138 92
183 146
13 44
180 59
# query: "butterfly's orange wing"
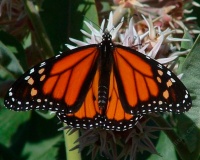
69 84
58 84
91 116
146 86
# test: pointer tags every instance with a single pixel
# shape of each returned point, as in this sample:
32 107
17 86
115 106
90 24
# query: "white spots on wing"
10 94
148 57
27 78
39 100
42 64
160 102
58 55
32 70
169 73
160 66
172 79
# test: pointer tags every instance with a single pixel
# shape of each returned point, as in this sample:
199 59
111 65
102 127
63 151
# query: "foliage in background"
31 32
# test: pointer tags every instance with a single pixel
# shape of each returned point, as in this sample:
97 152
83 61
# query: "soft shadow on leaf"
10 121
191 79
22 135
44 149
43 140
6 153
189 132
165 149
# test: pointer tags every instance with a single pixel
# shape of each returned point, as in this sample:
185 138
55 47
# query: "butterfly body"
105 65
99 86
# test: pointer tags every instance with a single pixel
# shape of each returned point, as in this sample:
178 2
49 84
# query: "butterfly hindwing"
147 86
58 84
90 115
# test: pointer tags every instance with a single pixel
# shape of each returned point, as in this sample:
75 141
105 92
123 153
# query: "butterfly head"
106 43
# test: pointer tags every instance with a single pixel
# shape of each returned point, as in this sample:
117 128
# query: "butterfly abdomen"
105 65
102 96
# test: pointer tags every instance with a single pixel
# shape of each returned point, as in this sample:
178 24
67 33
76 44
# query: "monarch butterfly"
100 85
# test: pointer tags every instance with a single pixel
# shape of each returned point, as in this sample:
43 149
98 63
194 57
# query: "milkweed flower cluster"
166 14
154 42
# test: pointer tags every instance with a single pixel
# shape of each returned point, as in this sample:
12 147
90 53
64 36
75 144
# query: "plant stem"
69 143
41 35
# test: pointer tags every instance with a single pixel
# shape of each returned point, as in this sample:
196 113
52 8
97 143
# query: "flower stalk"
39 29
70 140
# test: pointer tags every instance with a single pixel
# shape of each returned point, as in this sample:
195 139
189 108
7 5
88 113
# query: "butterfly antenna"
93 22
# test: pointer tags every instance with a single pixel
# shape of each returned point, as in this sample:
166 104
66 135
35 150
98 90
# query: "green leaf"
10 121
191 79
187 44
189 132
44 149
38 27
9 63
15 47
165 149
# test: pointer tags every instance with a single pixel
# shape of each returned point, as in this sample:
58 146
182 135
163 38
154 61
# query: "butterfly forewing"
147 86
58 84
102 85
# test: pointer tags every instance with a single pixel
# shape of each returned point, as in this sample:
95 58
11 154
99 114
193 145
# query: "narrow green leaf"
40 32
9 62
